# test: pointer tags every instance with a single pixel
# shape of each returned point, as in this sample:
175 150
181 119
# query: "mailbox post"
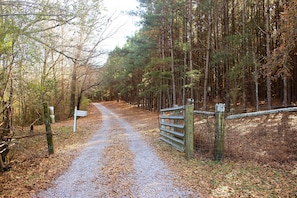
78 113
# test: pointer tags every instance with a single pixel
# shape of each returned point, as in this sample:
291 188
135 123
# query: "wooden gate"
176 127
172 125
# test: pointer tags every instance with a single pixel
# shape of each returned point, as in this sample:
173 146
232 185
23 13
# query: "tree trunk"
172 63
217 65
268 74
285 91
185 40
207 59
244 52
256 79
190 46
163 92
226 61
73 91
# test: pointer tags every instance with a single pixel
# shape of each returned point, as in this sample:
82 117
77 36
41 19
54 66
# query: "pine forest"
79 119
239 52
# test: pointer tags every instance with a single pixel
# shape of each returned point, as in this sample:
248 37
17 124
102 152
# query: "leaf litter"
126 166
33 170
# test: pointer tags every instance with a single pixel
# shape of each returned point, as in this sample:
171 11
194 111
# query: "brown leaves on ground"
230 178
118 166
34 169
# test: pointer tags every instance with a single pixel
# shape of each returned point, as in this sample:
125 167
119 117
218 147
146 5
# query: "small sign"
52 114
81 113
78 113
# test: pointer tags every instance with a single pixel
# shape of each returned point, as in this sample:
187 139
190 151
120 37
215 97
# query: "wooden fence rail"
220 119
177 126
259 113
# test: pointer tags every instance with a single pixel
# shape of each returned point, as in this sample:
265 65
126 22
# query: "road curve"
99 171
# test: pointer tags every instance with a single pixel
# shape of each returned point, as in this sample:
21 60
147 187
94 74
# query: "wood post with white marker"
49 133
219 132
78 113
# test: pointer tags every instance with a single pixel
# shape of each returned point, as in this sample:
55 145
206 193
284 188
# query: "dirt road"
116 162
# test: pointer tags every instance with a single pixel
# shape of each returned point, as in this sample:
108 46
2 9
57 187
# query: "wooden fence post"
49 134
219 133
189 130
2 166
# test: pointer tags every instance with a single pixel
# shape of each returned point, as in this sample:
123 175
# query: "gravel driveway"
116 162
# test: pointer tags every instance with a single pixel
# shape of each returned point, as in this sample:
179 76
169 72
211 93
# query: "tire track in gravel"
80 180
116 162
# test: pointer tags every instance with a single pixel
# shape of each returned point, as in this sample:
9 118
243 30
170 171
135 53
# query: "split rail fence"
177 127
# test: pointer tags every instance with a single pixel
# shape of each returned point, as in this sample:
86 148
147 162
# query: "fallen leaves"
118 166
34 169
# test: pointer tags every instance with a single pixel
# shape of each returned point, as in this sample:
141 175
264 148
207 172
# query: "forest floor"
33 170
